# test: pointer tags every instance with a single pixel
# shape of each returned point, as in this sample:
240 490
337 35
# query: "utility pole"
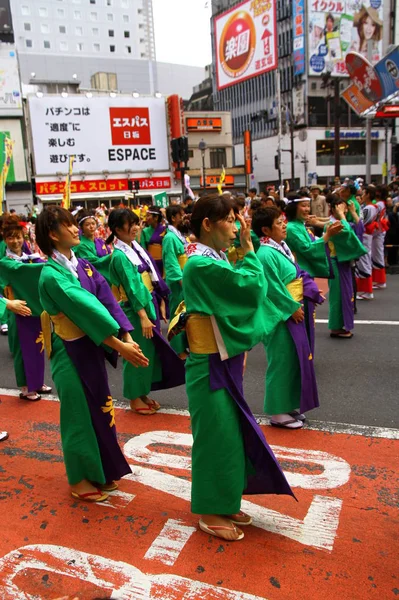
278 94
337 124
368 123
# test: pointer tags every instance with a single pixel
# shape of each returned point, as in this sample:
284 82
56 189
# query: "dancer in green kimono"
174 259
344 248
92 248
235 253
291 388
142 293
88 324
227 314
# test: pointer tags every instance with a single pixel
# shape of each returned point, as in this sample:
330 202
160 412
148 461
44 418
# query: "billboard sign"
10 87
337 27
90 186
104 133
245 42
299 36
388 72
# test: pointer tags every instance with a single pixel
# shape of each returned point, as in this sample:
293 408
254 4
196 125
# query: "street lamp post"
202 147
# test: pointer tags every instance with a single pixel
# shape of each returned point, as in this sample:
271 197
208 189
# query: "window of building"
141 26
79 47
62 29
29 43
110 17
128 49
46 44
142 40
64 46
43 12
77 15
96 47
92 1
217 157
125 18
109 2
78 30
110 32
60 13
112 48
351 152
143 55
139 11
27 27
44 28
25 10
126 34
95 31
93 16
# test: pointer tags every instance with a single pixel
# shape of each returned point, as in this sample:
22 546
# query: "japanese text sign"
298 35
245 41
336 27
104 134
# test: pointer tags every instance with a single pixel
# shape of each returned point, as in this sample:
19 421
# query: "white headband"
301 200
84 219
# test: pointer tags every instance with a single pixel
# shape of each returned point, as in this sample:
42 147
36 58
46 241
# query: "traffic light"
133 183
180 150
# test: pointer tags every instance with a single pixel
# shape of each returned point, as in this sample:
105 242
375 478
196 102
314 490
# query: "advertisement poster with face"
339 26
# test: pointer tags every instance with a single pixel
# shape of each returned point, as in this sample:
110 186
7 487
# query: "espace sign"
104 134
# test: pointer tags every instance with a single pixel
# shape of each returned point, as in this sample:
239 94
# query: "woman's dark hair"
280 204
118 219
50 221
255 205
381 192
12 225
370 191
333 200
264 217
84 214
239 202
155 211
172 211
213 207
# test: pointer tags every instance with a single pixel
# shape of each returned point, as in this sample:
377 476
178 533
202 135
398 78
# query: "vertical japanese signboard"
104 134
299 36
245 41
337 27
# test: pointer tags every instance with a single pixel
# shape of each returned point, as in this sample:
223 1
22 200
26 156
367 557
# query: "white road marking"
361 322
170 542
329 426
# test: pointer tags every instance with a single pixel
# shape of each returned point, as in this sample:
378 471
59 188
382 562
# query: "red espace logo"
130 126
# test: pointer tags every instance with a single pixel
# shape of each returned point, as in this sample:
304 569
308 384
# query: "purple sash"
157 238
346 285
31 342
101 248
267 476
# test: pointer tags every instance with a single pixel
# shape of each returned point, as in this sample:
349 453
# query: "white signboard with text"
104 134
246 42
10 87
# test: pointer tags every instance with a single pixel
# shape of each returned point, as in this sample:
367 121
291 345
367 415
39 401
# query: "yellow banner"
66 198
8 148
221 181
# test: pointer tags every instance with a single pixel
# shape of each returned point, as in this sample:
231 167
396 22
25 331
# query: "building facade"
307 107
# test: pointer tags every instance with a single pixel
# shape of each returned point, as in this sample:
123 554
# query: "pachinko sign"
246 42
336 27
103 133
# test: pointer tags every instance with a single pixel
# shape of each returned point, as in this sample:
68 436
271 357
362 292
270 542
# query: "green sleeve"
101 263
146 236
24 280
3 306
255 241
124 273
3 248
59 294
347 245
310 255
276 290
85 249
172 248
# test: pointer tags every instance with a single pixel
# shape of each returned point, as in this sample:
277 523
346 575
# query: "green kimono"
236 298
172 249
283 375
23 280
137 381
3 307
310 253
87 249
344 248
145 236
349 217
61 292
235 249
3 247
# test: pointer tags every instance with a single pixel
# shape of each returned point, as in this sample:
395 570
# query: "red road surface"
339 541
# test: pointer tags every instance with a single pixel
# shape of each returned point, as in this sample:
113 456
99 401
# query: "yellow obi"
235 254
182 260
201 339
333 252
8 293
119 293
155 250
145 276
295 288
62 326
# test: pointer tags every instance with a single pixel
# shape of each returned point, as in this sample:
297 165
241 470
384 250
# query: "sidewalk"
338 541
